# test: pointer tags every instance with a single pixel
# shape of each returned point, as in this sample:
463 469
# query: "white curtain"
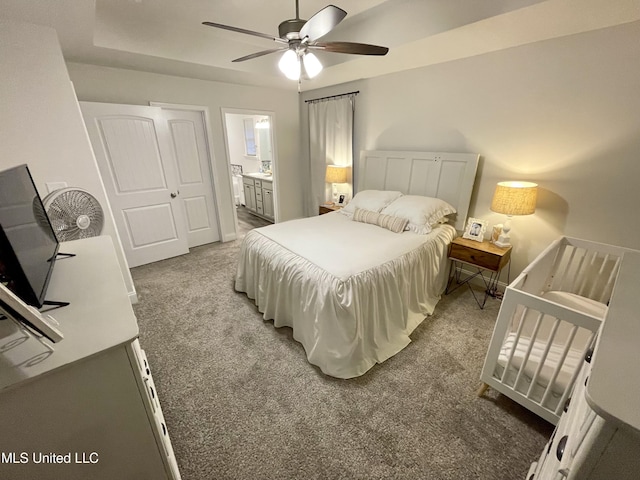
330 143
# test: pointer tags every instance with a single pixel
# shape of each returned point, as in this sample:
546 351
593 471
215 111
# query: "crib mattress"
571 361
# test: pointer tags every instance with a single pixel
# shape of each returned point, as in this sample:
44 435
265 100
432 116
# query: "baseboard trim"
133 297
229 237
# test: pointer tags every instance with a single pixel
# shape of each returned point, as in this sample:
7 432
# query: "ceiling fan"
299 37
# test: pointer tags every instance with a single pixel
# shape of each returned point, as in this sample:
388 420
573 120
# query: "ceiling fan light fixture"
289 64
311 64
300 36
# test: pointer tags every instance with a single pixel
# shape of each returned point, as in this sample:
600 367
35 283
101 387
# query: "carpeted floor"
241 401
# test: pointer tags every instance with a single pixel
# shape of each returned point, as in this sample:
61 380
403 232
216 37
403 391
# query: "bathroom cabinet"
258 195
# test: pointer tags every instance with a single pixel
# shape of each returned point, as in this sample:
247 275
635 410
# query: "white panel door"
132 146
191 152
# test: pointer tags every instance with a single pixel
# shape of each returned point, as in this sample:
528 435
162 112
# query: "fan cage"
74 213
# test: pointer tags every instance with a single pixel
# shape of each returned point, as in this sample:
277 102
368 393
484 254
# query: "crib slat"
525 359
585 277
556 371
595 282
543 358
517 339
578 275
574 375
606 291
567 268
556 262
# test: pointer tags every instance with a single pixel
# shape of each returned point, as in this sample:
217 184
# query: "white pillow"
373 200
423 213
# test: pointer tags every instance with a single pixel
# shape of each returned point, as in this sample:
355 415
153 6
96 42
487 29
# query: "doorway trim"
213 170
274 148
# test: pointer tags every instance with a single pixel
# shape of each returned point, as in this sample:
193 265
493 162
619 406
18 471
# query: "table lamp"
513 198
335 174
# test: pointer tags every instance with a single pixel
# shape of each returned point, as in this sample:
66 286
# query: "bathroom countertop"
260 176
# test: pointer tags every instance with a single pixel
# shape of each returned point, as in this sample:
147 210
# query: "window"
249 138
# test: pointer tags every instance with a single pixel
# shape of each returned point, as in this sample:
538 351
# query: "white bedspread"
351 292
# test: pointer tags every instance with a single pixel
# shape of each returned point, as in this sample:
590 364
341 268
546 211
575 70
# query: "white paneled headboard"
449 176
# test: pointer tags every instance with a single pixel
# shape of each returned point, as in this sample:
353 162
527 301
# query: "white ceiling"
167 36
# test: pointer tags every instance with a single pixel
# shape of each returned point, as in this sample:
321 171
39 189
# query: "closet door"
135 157
188 136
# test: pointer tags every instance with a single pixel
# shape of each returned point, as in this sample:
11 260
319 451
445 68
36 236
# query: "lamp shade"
311 64
289 64
336 174
515 198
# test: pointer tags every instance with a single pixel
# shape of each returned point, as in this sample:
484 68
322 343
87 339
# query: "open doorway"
249 140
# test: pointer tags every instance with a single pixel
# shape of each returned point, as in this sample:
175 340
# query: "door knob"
174 195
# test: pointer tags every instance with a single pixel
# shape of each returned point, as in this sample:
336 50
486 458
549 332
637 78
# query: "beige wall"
101 84
563 113
41 124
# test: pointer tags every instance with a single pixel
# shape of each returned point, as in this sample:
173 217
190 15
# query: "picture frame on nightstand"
475 229
342 199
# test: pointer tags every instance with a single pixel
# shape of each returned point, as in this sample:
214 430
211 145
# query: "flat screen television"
28 244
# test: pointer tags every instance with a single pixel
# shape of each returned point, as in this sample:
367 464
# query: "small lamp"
335 174
513 198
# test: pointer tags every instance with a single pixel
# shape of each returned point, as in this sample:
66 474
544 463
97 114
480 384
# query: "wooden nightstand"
484 257
326 209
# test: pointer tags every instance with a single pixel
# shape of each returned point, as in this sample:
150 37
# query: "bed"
351 290
548 321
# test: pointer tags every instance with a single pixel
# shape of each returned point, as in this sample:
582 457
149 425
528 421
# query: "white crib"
547 323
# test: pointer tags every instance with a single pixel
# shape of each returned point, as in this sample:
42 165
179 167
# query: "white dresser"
89 409
598 435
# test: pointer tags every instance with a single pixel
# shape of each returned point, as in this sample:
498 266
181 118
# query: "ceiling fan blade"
242 30
260 54
350 47
322 22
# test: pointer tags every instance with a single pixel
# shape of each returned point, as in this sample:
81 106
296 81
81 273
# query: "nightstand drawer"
482 254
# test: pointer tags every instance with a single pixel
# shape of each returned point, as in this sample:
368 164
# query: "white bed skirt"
346 324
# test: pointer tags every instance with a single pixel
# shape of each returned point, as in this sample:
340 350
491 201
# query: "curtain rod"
332 96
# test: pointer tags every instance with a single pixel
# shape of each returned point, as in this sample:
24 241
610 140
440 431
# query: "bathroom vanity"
258 194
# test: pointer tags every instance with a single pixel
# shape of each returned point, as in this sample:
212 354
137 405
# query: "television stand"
61 256
55 304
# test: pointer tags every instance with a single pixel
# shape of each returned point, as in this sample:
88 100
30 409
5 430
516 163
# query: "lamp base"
503 241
